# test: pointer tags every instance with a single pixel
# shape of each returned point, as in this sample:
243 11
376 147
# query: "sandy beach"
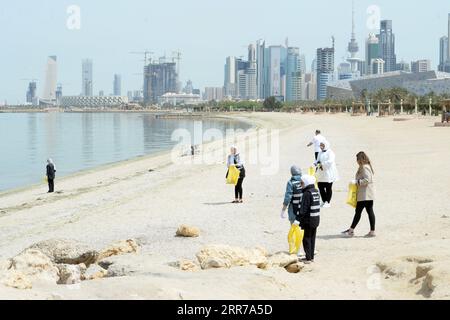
148 198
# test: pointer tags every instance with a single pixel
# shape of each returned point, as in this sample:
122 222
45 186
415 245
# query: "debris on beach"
188 231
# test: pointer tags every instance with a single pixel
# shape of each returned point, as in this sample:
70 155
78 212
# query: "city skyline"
203 55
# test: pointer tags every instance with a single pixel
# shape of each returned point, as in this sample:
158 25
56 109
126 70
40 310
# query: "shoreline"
111 165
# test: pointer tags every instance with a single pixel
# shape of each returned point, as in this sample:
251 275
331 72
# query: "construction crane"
31 79
146 53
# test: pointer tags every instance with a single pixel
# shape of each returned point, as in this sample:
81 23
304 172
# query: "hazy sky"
206 31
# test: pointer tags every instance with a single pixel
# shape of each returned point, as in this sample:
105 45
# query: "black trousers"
316 154
361 205
309 242
238 189
51 185
326 191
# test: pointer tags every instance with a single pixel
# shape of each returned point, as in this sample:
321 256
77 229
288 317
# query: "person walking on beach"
293 195
317 140
234 158
327 173
366 194
309 216
51 170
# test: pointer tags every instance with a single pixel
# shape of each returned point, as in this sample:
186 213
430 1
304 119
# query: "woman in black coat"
51 170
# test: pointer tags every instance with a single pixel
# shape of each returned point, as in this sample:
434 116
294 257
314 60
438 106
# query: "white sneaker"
326 205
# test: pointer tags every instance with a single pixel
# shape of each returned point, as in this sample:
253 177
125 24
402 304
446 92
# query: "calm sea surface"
78 141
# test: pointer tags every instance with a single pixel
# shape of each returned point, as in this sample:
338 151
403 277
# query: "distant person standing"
51 170
234 158
327 173
317 140
366 194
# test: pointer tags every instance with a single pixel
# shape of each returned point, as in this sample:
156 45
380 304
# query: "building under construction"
159 78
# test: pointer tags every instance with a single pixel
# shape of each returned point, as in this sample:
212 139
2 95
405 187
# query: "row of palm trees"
397 97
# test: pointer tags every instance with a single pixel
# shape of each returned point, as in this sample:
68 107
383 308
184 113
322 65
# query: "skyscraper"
51 76
277 71
87 87
251 76
353 47
325 70
159 78
230 81
294 77
372 51
443 53
260 68
31 93
117 86
447 63
448 36
387 45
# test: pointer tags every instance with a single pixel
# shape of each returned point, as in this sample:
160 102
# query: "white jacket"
329 173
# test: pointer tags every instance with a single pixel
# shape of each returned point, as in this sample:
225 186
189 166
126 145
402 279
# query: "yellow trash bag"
352 197
233 175
45 179
295 238
312 172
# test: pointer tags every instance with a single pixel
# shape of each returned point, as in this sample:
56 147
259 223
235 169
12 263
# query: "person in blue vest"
292 196
308 217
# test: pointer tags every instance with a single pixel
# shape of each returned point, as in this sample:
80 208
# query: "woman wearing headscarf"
309 215
293 195
51 170
327 173
366 194
234 158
